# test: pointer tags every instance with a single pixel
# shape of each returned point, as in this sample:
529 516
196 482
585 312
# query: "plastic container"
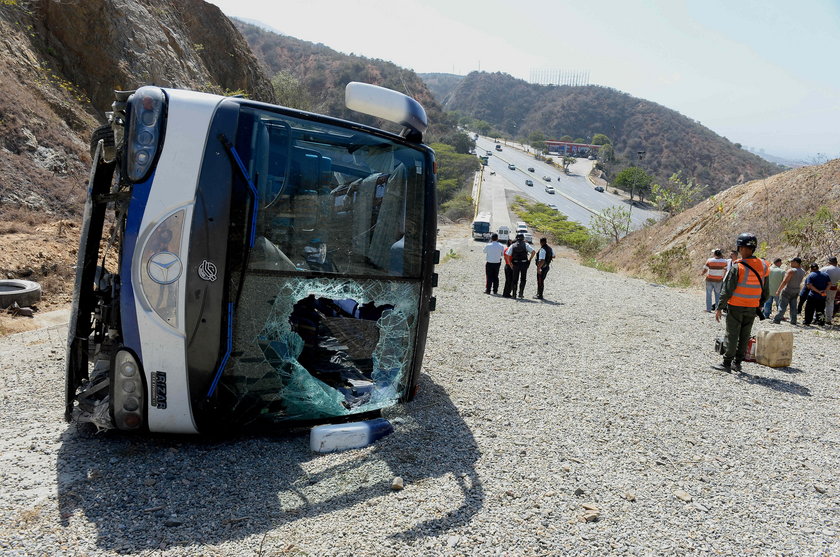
774 348
340 437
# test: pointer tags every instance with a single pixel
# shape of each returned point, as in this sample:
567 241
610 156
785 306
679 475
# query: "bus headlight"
144 131
127 394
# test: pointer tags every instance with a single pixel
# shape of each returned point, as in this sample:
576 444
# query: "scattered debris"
579 492
820 488
629 496
397 484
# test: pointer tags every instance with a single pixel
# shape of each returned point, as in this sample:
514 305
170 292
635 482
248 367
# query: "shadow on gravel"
790 370
775 384
146 493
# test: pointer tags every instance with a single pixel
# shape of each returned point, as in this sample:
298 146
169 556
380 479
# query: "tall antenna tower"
559 76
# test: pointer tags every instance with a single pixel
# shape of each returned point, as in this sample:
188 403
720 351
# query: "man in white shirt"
493 252
833 272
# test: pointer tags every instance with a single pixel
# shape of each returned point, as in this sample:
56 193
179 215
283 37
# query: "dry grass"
759 207
10 325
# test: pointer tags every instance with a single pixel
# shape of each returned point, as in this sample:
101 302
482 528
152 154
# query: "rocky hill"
314 76
59 65
441 84
678 246
672 142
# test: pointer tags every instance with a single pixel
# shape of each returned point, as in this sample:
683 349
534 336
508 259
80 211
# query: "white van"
504 233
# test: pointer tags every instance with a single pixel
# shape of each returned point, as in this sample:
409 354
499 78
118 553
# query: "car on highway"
549 189
553 206
512 166
498 147
521 227
599 188
547 178
591 157
504 233
528 236
489 153
530 169
529 182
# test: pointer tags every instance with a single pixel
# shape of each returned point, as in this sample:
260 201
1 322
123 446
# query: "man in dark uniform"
743 294
521 255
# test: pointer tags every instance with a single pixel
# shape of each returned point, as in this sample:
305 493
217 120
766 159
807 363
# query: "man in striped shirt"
714 270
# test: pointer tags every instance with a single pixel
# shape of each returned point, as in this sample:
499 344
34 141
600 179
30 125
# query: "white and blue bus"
261 265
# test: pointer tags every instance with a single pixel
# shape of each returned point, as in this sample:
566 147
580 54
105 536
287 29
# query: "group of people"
746 287
516 256
785 287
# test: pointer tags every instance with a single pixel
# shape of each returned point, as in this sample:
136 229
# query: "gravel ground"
533 417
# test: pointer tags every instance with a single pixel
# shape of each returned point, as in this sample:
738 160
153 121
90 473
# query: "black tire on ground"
102 132
24 292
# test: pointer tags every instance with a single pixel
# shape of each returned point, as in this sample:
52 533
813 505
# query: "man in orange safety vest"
743 295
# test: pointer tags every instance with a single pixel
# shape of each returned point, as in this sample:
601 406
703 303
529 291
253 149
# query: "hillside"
441 84
59 64
682 243
672 142
315 75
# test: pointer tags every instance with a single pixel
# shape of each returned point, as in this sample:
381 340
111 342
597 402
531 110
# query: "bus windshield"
326 319
330 199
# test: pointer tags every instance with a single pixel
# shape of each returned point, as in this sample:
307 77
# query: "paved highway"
575 196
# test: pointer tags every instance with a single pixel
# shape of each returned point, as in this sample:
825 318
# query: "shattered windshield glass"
326 318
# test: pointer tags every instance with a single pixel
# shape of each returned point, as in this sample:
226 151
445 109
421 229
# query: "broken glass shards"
313 348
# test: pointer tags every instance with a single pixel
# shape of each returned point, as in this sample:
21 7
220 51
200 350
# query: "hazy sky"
764 73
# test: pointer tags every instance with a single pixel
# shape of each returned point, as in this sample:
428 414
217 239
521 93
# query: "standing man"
733 256
744 291
833 272
493 252
817 284
521 254
788 291
508 272
714 270
544 257
777 275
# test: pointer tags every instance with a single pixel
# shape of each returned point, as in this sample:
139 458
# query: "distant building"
569 148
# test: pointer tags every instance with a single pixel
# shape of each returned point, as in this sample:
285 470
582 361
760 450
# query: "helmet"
747 240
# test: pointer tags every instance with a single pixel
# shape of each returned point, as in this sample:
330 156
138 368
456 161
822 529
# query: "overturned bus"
243 263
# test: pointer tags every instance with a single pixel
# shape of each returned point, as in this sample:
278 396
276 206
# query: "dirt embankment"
679 246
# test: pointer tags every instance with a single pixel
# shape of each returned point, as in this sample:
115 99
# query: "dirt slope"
59 64
760 206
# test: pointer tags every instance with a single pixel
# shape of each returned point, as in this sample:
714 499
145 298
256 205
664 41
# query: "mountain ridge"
671 142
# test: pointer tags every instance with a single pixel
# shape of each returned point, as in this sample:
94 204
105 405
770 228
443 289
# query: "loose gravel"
588 423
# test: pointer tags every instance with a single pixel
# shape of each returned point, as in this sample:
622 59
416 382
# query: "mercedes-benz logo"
164 267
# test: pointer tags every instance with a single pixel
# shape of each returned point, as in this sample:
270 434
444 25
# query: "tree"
815 234
460 141
677 195
601 139
567 162
580 140
537 140
612 223
606 153
455 171
289 91
632 179
566 138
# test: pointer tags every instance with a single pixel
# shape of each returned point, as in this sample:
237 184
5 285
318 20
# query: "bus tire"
106 134
24 292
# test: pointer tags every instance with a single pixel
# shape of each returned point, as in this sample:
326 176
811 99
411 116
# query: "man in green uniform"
743 294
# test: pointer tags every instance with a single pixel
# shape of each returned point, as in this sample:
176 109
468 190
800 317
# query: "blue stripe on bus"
227 352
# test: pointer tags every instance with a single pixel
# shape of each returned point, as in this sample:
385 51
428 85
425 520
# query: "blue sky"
761 73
